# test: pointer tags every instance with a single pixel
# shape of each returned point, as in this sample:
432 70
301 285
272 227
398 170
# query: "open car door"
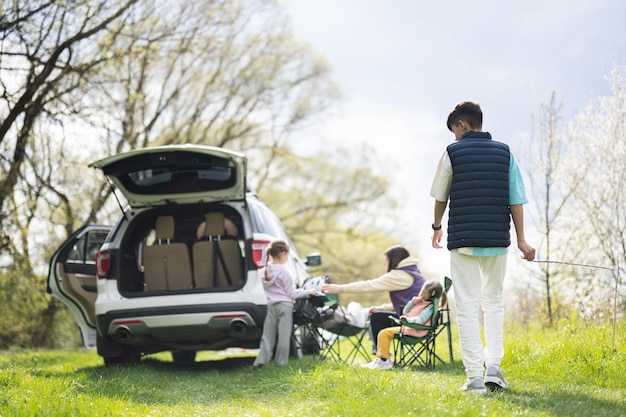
72 277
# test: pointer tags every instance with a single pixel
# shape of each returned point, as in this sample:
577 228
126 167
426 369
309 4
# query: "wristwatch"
436 227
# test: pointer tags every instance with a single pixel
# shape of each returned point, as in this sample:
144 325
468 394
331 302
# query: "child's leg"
285 327
268 337
380 320
385 336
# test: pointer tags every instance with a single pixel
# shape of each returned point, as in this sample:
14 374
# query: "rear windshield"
174 173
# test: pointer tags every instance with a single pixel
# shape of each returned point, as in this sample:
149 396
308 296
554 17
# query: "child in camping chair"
418 310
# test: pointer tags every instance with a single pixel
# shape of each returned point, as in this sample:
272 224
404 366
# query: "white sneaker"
494 379
369 364
381 364
474 386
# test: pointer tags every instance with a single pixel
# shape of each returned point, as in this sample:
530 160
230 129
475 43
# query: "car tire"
184 356
128 357
115 354
295 349
311 344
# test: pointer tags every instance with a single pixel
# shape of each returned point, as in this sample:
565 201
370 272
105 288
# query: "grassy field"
570 370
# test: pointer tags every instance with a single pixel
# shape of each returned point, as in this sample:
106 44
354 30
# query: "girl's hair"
395 255
277 246
435 290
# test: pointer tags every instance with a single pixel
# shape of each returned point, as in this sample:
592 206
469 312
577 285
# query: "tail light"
258 252
103 258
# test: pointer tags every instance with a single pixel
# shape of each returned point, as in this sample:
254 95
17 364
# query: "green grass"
566 371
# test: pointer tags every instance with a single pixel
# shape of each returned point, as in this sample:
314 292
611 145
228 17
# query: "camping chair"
342 328
409 350
309 315
444 319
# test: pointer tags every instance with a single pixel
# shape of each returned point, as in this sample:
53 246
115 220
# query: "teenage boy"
482 182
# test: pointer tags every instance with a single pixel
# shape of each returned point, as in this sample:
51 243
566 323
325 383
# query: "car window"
265 221
174 173
85 248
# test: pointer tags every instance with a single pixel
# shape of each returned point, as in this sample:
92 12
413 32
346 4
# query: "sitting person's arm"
382 307
407 308
422 317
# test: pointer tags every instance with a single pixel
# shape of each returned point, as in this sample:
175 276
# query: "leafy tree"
331 203
553 186
46 54
82 80
45 57
599 212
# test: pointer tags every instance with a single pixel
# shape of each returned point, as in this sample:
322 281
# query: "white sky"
403 64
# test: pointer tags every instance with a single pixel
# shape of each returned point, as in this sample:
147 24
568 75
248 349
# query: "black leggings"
380 320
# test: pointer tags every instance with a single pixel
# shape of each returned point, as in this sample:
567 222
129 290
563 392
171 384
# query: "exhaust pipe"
238 327
123 333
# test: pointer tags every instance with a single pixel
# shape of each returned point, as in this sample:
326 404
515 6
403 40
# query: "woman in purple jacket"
403 281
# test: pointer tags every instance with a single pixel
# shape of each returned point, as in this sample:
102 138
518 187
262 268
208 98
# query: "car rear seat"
217 259
166 264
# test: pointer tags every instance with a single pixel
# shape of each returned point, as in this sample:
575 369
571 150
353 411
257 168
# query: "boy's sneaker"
381 364
494 380
474 386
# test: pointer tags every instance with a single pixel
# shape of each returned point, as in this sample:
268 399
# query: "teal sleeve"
407 307
517 192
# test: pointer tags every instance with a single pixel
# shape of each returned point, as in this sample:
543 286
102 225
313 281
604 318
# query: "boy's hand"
436 239
528 252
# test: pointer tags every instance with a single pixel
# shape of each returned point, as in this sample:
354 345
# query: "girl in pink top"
420 311
281 294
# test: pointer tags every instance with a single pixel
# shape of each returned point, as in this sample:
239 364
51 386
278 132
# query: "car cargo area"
189 249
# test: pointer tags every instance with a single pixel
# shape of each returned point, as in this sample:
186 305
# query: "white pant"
478 282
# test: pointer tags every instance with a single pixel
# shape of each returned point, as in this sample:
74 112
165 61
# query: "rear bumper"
206 326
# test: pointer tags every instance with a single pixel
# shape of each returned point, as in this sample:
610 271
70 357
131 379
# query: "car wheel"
116 354
310 344
127 357
185 356
295 348
304 342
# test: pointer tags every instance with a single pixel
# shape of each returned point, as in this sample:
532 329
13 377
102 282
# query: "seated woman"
403 281
418 311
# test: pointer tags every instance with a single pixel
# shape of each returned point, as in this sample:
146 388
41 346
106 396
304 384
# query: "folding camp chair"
444 319
309 315
409 349
342 338
443 324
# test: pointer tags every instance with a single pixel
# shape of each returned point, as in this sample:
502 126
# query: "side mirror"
313 259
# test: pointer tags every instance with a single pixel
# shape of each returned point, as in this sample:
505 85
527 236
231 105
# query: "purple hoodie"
279 288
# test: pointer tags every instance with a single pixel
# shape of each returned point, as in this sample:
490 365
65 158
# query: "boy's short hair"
469 112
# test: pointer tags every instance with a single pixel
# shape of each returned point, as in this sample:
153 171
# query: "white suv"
178 271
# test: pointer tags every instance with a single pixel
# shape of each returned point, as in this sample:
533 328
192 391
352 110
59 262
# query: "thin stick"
575 264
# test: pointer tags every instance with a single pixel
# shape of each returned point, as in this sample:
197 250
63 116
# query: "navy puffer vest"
479 198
